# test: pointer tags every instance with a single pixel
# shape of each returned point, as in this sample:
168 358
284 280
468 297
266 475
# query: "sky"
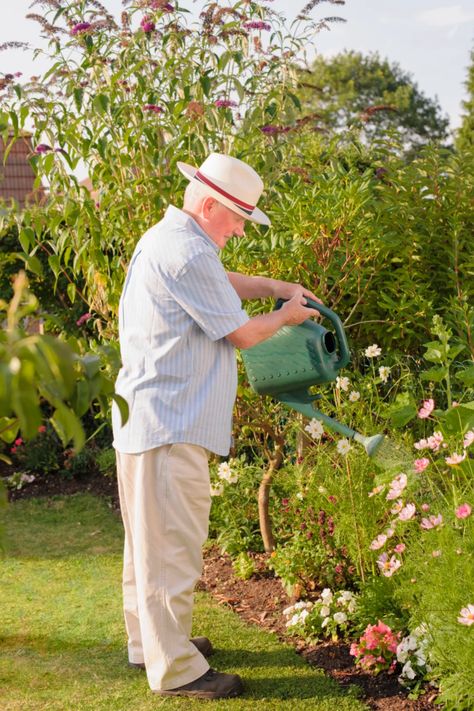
428 39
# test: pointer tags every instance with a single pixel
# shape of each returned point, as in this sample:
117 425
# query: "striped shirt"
179 372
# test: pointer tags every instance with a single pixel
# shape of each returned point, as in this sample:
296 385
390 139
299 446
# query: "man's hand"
295 309
287 290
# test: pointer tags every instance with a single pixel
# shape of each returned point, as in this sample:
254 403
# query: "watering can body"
297 357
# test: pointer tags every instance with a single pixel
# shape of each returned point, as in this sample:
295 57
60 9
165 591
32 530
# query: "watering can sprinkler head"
370 444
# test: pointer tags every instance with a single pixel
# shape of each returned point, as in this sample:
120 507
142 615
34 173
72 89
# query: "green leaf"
34 265
459 419
206 85
101 103
27 238
91 364
9 427
78 97
81 399
122 406
402 410
434 374
466 376
71 292
68 427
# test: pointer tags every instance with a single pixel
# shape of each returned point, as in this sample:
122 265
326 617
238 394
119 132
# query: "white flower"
340 618
303 615
14 365
325 611
384 373
288 610
342 383
466 616
315 429
225 472
343 446
326 595
373 351
293 621
345 596
325 622
455 458
354 395
217 490
408 671
299 496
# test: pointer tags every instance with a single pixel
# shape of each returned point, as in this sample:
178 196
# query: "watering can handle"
344 353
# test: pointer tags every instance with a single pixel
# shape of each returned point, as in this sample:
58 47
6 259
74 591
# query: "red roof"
17 176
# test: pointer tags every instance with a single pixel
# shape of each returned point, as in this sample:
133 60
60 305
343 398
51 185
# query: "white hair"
194 194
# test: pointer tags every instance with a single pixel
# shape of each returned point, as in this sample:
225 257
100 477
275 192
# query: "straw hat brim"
189 171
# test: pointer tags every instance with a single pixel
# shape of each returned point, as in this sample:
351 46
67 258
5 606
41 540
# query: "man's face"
222 223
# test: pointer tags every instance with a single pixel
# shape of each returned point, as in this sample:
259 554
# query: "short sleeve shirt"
179 372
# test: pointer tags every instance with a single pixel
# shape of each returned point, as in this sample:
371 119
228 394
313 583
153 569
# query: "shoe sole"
202 694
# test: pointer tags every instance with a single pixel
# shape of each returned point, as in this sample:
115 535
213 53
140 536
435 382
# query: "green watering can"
296 357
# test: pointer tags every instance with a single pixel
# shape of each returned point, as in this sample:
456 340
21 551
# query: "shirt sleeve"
204 291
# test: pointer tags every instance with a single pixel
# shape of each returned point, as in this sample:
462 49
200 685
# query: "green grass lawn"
62 641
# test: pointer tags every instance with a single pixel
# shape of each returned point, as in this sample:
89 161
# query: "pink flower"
407 513
43 148
431 522
397 507
466 616
388 567
399 548
455 458
378 542
13 450
81 28
224 103
257 25
463 511
153 107
468 438
436 554
434 442
18 442
425 507
420 465
426 409
83 319
397 486
147 24
42 428
389 532
421 444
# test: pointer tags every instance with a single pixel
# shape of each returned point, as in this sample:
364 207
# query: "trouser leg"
167 502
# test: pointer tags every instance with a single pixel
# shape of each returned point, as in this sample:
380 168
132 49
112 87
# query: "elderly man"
180 319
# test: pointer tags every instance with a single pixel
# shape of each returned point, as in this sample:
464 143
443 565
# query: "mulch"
259 600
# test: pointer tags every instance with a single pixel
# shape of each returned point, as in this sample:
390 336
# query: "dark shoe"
203 644
211 685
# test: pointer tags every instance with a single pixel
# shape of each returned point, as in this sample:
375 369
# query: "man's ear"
207 206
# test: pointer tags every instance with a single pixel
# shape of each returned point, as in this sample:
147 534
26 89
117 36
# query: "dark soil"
259 600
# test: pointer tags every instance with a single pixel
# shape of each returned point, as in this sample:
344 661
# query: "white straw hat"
230 181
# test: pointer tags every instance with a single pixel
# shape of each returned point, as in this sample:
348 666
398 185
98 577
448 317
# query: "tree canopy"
352 87
465 136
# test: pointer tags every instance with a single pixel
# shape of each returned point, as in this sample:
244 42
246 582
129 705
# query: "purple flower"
270 130
257 25
153 107
147 24
81 28
18 74
224 103
83 319
43 148
161 5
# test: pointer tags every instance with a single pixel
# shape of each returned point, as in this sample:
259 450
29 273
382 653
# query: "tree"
465 135
352 87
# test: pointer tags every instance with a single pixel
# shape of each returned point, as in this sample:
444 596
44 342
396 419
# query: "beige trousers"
165 502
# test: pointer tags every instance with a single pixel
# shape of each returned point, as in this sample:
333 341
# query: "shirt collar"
182 219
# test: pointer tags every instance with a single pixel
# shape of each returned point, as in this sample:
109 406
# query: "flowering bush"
376 649
328 616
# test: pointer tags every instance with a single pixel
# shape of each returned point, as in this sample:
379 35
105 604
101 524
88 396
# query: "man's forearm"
252 287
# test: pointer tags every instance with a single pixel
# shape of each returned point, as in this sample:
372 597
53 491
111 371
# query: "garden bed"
259 600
